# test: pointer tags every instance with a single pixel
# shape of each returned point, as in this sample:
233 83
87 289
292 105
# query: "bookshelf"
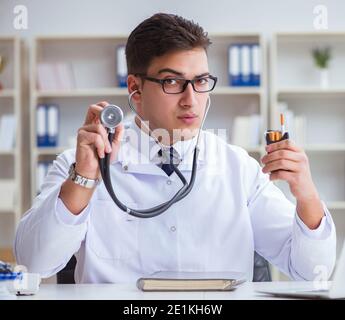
11 177
294 80
230 102
93 61
96 55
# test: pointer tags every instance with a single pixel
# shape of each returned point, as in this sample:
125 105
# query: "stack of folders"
190 281
121 66
246 131
47 125
55 76
244 64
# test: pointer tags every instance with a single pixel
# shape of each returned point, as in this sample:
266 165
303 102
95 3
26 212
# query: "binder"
41 125
7 132
255 65
245 66
234 65
190 281
52 125
121 66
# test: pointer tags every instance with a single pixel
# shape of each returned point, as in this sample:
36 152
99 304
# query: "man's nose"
188 96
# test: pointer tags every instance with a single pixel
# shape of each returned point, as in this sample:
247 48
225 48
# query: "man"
233 210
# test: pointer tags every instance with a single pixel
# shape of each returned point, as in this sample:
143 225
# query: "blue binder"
234 59
121 66
255 64
41 125
52 125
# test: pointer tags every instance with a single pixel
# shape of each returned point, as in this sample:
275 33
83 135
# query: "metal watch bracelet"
80 180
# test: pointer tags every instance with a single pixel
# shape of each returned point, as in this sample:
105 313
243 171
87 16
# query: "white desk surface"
246 291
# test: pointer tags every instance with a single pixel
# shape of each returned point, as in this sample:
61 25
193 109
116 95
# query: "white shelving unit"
94 61
11 160
229 102
294 80
94 68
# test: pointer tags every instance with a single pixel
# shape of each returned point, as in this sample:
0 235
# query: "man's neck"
163 140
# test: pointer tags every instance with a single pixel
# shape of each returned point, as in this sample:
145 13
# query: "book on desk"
190 281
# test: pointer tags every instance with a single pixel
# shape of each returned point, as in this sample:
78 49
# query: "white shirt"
232 210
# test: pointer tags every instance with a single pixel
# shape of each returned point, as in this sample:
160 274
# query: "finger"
281 165
282 175
98 128
92 115
284 144
102 103
282 154
94 140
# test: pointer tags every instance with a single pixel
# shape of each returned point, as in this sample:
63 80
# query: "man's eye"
202 81
170 81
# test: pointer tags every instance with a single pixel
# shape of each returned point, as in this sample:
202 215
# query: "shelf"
7 93
335 205
316 91
50 151
257 149
324 147
7 210
92 92
224 90
124 92
7 152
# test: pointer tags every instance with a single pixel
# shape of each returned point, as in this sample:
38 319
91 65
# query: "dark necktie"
168 167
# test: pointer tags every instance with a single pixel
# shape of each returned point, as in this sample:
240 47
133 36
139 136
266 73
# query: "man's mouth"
188 118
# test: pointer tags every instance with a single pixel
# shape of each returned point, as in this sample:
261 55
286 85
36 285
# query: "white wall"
46 17
112 16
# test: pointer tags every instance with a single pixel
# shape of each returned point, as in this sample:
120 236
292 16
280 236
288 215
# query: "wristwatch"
80 180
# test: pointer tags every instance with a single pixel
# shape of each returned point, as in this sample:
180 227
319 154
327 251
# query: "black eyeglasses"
178 85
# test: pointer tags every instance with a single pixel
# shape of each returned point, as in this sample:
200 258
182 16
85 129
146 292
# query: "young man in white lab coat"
233 210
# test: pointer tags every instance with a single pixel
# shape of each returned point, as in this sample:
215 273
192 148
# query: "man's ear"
133 84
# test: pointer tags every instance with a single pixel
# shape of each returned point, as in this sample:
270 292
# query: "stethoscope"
111 116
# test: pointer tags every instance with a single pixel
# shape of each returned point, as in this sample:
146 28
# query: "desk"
245 291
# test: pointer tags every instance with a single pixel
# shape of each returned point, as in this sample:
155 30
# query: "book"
190 281
246 131
7 132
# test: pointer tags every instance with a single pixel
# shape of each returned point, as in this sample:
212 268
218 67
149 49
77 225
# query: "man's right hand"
92 142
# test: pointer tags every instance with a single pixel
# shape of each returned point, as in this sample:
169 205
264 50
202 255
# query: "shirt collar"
140 149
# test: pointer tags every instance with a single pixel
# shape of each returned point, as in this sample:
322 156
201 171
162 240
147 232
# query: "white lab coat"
232 210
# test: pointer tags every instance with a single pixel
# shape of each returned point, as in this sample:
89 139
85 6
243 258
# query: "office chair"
66 275
261 270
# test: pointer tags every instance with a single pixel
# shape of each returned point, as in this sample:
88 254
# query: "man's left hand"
286 161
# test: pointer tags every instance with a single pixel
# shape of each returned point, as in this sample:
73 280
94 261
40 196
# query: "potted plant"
322 57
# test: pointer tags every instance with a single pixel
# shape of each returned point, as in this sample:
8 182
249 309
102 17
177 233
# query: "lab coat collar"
139 152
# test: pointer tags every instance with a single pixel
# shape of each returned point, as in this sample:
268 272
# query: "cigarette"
282 123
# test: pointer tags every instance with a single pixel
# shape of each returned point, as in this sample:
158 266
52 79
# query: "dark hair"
160 34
